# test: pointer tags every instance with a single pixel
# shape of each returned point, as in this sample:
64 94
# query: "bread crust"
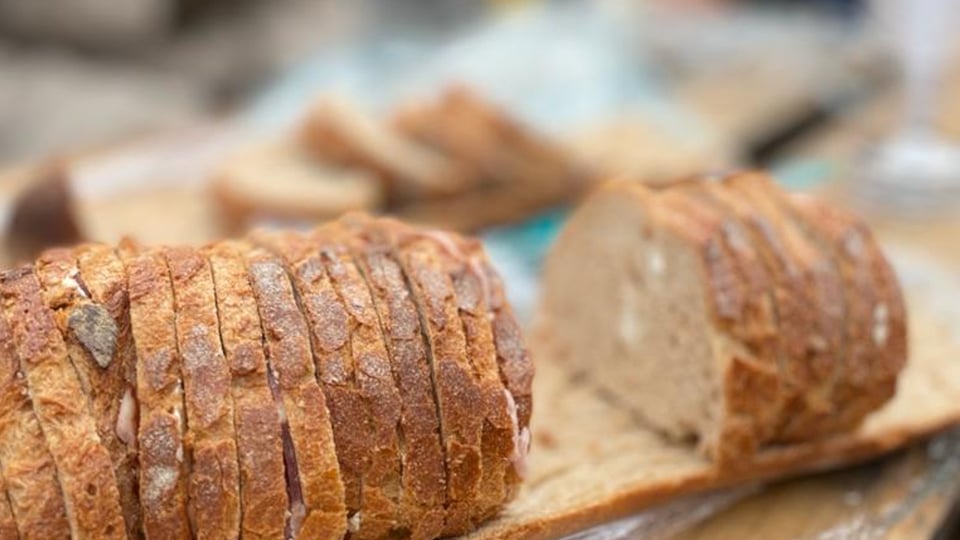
84 468
90 309
424 471
821 361
105 279
751 380
214 484
25 460
289 358
263 490
163 458
8 526
875 322
459 395
502 450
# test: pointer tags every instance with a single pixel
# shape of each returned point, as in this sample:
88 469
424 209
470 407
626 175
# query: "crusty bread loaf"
25 460
84 468
263 487
314 485
676 302
159 393
214 487
281 386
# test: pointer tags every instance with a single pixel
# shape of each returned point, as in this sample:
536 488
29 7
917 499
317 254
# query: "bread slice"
334 296
753 386
8 525
875 324
657 284
214 488
25 460
263 489
163 454
818 364
91 333
104 277
313 476
84 469
424 471
466 264
338 132
459 395
282 181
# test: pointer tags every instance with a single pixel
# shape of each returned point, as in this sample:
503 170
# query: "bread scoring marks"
96 330
881 324
353 522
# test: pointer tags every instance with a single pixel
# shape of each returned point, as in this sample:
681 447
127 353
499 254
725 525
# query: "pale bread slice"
164 475
105 278
314 483
84 468
214 484
281 181
263 488
593 463
25 460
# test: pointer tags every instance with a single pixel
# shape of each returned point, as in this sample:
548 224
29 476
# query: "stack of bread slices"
364 379
726 311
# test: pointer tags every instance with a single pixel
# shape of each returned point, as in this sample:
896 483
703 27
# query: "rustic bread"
104 277
459 395
820 363
163 453
25 460
424 471
339 311
281 181
84 468
314 485
92 337
214 488
876 318
338 132
263 487
501 444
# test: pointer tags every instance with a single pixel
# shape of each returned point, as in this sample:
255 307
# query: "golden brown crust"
289 357
259 438
90 315
751 384
424 475
381 481
464 262
105 278
8 526
458 393
214 488
25 460
875 322
84 467
821 361
162 457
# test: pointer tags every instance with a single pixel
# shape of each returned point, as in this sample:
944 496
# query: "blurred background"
183 121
